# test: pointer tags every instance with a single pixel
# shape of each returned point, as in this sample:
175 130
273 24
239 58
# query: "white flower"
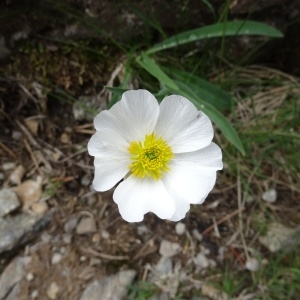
164 153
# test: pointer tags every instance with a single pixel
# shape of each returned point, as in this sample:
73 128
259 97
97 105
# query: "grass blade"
154 69
232 28
221 122
208 92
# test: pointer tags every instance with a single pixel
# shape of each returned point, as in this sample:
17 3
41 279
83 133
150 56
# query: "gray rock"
270 196
168 249
164 266
14 293
201 261
180 228
110 288
8 201
20 229
86 225
13 273
71 224
280 237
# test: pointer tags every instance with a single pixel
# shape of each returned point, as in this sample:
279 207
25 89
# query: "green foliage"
205 95
233 28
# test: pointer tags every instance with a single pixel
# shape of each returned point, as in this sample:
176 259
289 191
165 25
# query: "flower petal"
110 168
192 175
106 138
133 117
135 197
182 208
208 157
183 127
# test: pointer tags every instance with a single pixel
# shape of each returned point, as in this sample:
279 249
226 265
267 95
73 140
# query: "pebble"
71 224
197 235
201 261
40 207
16 135
8 166
86 225
8 201
213 293
168 249
180 228
105 234
29 192
67 238
29 277
56 258
52 290
16 176
142 230
270 196
252 264
110 288
86 180
34 294
280 237
164 266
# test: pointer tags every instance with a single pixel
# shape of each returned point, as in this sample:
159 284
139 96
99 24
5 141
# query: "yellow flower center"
150 158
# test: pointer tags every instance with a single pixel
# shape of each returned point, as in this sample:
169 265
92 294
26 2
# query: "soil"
64 164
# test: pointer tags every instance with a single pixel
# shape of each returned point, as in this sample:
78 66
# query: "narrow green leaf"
154 69
208 92
232 28
221 122
117 91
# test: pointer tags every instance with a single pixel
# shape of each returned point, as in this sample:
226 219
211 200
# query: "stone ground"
59 239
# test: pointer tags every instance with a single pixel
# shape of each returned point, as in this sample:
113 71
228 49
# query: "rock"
86 180
17 175
56 258
34 294
32 125
280 237
8 201
67 238
40 207
18 230
29 192
164 266
15 293
252 264
71 224
12 274
168 249
29 277
143 230
52 290
110 288
8 166
201 261
213 293
65 138
270 196
86 225
197 235
180 228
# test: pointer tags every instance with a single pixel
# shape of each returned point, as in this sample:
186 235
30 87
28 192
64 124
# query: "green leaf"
221 122
117 91
232 28
208 92
153 68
